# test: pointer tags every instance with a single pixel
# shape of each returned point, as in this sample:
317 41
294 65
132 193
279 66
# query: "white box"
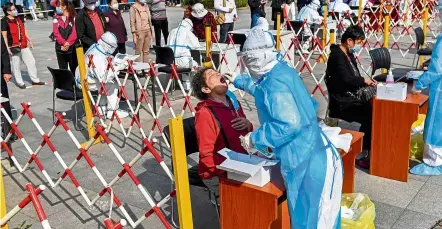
392 91
251 170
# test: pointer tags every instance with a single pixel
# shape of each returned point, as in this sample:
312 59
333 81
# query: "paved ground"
413 205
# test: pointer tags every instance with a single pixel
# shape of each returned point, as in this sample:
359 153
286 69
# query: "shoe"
38 83
364 162
120 113
21 86
13 138
35 20
45 19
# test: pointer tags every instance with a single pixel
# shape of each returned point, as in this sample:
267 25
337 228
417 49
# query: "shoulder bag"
220 18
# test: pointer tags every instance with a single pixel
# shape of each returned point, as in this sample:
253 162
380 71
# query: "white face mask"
91 7
115 6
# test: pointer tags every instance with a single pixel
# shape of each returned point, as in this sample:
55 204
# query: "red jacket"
210 140
199 26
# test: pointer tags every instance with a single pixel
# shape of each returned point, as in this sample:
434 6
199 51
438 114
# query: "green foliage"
23 226
209 3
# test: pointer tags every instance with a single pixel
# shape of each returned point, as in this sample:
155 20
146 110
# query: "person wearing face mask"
115 24
219 122
65 35
182 40
201 17
90 24
141 26
344 81
18 44
310 165
103 49
311 15
432 79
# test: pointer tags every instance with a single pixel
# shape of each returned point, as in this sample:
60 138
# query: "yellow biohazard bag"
364 215
417 138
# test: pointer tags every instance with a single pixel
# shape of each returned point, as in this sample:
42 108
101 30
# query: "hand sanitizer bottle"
390 77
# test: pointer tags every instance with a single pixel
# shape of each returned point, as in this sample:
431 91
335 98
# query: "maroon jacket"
210 139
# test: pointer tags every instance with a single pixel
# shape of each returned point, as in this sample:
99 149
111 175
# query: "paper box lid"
243 164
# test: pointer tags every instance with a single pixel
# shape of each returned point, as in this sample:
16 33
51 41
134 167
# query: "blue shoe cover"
426 170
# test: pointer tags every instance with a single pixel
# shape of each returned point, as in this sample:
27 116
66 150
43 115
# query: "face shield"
108 43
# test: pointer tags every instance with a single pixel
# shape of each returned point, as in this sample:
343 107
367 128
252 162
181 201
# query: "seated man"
219 122
100 51
311 15
182 40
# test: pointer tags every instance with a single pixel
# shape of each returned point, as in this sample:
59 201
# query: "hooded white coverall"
339 7
100 52
309 13
182 40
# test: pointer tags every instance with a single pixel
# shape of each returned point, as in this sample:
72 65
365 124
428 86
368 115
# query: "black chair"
165 55
64 81
427 51
191 144
380 58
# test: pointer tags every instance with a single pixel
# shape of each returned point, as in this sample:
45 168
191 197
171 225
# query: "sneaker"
38 83
120 113
21 86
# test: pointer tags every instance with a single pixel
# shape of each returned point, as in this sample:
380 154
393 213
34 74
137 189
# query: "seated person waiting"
219 122
344 83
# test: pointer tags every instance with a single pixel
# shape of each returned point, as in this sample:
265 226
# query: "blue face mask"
356 49
59 10
15 13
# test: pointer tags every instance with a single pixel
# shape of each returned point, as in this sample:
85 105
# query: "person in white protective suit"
100 52
182 40
310 165
341 9
262 23
365 3
309 13
432 79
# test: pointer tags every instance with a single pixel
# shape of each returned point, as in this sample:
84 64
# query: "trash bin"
357 211
417 138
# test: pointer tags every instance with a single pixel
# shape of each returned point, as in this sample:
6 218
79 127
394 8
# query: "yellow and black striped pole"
207 60
386 34
278 31
425 25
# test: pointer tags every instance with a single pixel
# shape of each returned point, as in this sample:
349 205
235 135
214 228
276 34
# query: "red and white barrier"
31 197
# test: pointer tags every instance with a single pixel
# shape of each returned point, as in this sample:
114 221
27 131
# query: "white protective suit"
182 40
100 52
309 13
262 23
339 7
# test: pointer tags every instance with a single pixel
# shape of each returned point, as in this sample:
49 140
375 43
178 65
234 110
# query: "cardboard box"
251 170
392 91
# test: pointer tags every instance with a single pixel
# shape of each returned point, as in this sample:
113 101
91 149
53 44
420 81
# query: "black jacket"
5 64
256 6
85 28
340 78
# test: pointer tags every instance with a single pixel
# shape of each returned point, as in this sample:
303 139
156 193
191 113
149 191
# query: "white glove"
415 91
228 77
247 144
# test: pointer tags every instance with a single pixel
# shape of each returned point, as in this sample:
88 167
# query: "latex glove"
415 91
247 144
228 77
121 66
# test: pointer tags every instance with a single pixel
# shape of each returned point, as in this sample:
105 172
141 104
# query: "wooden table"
391 128
247 206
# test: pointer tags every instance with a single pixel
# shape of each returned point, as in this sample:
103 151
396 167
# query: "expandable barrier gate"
31 197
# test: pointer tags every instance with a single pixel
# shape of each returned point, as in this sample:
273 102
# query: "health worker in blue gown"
432 79
311 166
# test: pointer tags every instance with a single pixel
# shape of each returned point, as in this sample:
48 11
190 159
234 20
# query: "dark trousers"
224 30
362 114
120 49
20 11
5 125
160 26
66 60
44 7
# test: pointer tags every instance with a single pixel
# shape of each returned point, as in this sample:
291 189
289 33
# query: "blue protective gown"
311 166
432 79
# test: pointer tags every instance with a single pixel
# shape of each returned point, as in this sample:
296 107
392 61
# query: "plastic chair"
65 82
419 43
191 145
380 58
165 56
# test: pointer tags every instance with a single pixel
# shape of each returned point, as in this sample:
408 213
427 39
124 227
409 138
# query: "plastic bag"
417 138
364 212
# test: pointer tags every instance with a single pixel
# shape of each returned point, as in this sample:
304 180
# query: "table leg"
348 162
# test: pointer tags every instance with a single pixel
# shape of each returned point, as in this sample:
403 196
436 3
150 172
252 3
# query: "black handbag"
15 50
363 94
